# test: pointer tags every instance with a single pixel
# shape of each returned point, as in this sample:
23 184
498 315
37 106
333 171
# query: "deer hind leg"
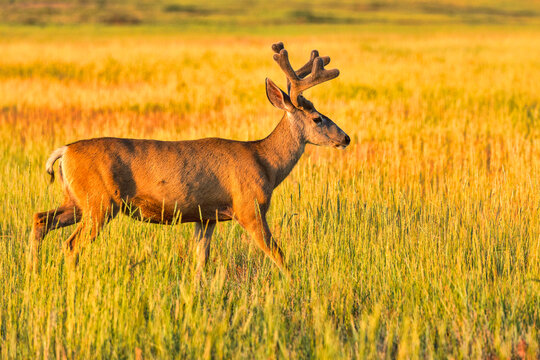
203 236
66 214
257 227
95 216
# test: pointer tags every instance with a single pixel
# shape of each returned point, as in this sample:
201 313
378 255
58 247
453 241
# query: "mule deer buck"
201 181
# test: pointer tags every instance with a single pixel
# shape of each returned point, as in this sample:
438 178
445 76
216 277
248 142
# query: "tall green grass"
422 239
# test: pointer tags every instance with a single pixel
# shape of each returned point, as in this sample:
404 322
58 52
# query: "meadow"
421 239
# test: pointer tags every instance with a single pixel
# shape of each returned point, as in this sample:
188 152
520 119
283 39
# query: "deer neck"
282 149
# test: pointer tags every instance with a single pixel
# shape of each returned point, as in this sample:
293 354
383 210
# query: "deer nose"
347 140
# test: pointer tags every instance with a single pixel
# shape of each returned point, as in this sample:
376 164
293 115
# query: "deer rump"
161 181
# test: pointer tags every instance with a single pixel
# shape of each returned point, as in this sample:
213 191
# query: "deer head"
313 127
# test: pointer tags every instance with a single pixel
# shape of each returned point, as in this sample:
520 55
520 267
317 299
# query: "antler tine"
277 47
308 67
282 58
319 74
296 80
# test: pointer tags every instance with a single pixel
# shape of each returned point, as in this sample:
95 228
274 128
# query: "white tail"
55 155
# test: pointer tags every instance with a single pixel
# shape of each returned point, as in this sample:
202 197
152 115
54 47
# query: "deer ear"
277 97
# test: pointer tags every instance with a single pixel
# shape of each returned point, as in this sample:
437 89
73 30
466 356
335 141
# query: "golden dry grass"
422 239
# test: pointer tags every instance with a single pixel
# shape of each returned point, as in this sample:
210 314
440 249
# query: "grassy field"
422 239
257 12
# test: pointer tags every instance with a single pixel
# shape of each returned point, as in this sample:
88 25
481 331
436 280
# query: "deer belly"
154 211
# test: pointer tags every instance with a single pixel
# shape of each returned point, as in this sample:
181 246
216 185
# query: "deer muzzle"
343 142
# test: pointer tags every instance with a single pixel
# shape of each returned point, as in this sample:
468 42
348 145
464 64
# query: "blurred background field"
257 12
422 239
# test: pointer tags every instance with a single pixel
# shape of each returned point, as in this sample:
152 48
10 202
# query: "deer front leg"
261 234
202 236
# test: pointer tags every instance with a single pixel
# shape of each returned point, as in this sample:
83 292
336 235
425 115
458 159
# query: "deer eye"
318 120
